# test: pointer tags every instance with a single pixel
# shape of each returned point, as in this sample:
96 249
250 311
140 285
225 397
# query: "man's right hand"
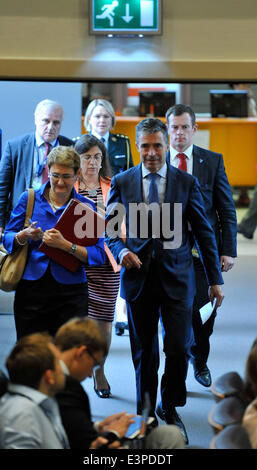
101 441
119 423
131 260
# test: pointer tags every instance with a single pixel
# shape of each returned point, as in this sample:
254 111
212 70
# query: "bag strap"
30 205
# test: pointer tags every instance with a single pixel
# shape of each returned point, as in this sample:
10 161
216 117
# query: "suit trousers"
144 313
202 332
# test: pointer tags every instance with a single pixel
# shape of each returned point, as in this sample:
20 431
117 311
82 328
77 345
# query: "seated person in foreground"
82 347
250 415
29 415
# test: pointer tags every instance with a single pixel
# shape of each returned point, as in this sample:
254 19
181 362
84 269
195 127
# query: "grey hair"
50 104
150 126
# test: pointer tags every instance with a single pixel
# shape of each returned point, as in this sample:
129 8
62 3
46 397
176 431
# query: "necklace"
52 204
91 189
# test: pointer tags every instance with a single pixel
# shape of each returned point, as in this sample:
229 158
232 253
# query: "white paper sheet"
206 311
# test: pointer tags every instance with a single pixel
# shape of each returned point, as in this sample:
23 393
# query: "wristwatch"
73 249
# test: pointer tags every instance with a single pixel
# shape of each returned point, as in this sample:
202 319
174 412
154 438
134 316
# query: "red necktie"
45 170
182 161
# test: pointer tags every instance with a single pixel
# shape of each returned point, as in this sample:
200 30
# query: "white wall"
19 99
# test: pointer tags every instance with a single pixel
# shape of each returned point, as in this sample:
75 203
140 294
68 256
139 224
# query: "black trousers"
45 304
202 332
143 317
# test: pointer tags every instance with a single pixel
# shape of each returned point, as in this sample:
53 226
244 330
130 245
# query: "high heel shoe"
103 392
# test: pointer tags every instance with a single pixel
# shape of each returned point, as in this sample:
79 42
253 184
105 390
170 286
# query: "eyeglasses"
65 177
96 362
97 158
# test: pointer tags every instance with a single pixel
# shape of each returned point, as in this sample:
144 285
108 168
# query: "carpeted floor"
235 330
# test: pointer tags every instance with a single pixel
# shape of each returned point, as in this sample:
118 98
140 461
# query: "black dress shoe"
103 392
245 234
202 373
120 327
172 417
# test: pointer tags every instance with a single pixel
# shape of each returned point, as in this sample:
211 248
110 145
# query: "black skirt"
45 304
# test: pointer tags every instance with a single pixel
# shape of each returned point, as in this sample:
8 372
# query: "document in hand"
79 224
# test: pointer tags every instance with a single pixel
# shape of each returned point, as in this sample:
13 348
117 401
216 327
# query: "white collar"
188 152
162 172
40 141
105 136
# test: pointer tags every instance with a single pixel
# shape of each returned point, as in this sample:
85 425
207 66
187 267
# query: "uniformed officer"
99 120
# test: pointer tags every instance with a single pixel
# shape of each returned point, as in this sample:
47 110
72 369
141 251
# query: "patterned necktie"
182 161
103 140
153 189
45 170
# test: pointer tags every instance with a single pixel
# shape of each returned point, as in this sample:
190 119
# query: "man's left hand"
226 263
215 292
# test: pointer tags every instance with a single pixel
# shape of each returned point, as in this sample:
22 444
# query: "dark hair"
29 359
150 126
81 332
85 143
250 387
178 110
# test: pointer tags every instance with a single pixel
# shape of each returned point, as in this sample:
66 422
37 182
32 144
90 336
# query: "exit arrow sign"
125 17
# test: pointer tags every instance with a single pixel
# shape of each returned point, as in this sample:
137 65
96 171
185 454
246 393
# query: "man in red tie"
208 168
24 161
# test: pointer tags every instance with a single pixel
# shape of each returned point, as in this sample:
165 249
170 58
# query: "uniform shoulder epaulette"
123 136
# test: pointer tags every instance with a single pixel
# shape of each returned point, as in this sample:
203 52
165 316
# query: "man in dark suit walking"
208 168
157 275
24 162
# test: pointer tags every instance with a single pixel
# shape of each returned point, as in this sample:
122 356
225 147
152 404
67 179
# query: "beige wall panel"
201 40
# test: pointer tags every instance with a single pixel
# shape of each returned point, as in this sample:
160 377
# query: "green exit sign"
125 17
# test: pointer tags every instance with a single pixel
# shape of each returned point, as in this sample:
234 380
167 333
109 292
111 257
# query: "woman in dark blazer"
99 120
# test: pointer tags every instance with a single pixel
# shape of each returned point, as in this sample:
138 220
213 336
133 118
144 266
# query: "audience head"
34 362
90 148
181 126
251 373
152 143
82 346
48 120
99 117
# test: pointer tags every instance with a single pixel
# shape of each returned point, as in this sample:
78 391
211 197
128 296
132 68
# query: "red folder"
79 224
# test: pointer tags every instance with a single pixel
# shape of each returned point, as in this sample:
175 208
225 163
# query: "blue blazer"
16 167
208 168
175 265
37 262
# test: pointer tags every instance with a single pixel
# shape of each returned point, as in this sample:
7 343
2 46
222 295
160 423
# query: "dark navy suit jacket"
208 168
175 266
119 153
16 171
76 414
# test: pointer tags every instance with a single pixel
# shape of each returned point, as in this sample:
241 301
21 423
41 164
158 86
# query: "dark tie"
45 170
182 161
153 189
103 140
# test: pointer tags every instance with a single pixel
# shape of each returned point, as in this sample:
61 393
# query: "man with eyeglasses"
24 162
82 347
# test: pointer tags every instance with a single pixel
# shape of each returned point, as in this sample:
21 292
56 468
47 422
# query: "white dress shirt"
174 160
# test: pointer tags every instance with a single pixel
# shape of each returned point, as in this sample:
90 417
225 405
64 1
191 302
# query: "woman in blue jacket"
48 294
